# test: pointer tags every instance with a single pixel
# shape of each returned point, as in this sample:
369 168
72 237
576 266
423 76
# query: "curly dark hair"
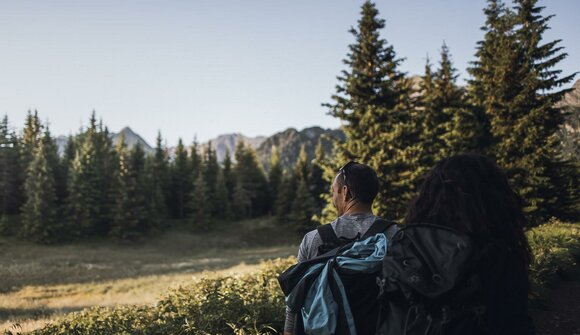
471 194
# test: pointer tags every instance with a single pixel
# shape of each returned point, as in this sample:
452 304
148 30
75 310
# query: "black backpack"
429 283
361 290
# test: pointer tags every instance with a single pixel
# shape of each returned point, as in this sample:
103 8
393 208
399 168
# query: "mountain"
289 142
570 132
131 139
228 142
572 98
61 142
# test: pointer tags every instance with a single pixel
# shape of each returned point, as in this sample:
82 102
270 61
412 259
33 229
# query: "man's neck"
358 208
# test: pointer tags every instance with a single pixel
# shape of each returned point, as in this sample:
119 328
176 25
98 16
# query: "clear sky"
209 67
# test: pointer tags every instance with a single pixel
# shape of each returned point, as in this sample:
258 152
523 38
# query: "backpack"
353 295
430 284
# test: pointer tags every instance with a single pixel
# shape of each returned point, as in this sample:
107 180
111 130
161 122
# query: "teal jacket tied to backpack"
320 297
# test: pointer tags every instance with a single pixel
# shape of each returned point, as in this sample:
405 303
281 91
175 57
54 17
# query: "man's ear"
346 193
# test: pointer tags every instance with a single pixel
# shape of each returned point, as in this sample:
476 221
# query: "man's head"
355 184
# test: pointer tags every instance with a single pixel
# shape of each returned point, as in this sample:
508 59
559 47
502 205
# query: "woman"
470 194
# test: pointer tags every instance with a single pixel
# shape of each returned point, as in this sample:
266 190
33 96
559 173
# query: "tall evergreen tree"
302 167
515 82
302 209
275 176
229 176
318 184
158 176
373 99
83 204
449 126
222 198
199 206
10 174
57 167
251 181
181 181
30 140
39 212
131 215
242 201
210 171
285 197
107 162
196 160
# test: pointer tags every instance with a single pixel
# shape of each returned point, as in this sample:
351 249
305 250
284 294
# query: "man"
353 191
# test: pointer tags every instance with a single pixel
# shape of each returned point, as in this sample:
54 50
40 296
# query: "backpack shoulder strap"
379 226
327 234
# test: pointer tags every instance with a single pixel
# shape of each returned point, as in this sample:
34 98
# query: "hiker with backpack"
353 191
460 264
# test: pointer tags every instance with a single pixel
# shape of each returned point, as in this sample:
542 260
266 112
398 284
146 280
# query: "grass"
39 284
235 298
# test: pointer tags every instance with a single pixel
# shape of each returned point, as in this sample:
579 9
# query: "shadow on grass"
34 313
177 250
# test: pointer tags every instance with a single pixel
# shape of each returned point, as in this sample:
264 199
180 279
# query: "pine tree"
302 209
538 147
242 201
222 198
251 182
157 171
39 212
56 165
229 176
318 184
302 167
29 143
285 198
181 181
200 207
380 122
449 125
515 81
83 204
107 162
30 140
10 174
131 215
210 171
275 176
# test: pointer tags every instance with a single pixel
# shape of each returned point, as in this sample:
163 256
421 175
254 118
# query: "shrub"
254 304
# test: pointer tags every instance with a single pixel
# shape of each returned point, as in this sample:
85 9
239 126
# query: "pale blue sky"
215 66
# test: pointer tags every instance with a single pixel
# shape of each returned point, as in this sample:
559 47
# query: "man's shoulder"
310 243
314 235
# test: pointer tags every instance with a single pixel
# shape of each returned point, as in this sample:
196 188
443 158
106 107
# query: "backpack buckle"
381 282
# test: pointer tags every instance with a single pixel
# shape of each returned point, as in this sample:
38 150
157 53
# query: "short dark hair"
361 180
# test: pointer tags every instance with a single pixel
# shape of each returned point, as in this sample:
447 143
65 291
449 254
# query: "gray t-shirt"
344 226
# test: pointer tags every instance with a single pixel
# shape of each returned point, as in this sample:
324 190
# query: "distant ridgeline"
287 142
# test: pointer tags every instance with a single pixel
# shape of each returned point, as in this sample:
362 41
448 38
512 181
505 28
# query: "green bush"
248 304
254 304
556 250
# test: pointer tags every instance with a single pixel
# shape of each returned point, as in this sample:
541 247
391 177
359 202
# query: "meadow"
181 283
40 284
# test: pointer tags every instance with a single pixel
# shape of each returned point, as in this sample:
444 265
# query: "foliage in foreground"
254 304
556 250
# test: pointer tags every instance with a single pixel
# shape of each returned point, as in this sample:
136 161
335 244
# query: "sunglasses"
342 171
